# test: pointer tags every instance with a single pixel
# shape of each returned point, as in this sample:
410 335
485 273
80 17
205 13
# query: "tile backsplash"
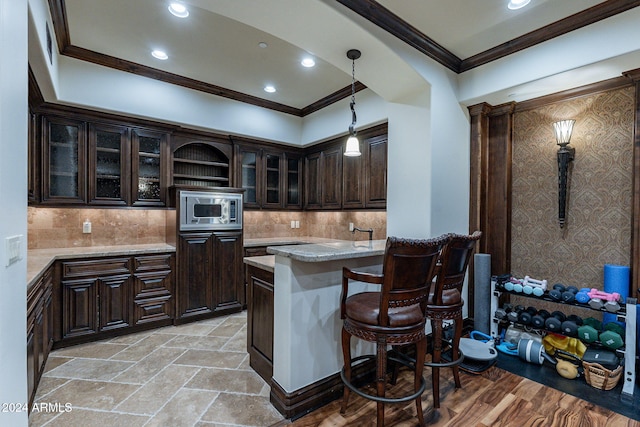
62 227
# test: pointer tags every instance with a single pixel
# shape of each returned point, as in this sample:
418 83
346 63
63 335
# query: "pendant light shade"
352 148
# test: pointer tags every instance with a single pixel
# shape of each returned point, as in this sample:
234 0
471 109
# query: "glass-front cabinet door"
273 188
63 161
108 148
294 181
249 176
148 167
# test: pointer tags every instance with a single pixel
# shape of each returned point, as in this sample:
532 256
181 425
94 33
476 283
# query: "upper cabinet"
109 154
64 162
200 161
271 178
96 163
333 181
148 172
79 157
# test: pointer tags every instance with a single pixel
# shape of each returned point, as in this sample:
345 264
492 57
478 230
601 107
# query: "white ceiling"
221 51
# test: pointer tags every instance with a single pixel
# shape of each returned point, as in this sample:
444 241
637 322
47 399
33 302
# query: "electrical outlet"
86 227
297 224
293 224
13 247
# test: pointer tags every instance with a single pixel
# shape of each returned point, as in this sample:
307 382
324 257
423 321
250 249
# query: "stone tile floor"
196 374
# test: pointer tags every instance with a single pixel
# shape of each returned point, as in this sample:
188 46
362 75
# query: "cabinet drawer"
152 262
98 267
255 251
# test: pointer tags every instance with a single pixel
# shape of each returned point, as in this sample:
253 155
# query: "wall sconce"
566 154
353 145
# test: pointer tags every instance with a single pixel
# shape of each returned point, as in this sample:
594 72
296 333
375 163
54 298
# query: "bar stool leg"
346 354
455 350
421 350
436 327
381 376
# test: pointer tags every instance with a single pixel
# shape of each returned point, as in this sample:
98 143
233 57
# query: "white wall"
13 185
97 87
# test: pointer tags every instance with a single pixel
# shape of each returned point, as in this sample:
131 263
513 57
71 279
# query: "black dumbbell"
537 321
556 292
513 315
569 294
554 321
571 325
525 316
501 312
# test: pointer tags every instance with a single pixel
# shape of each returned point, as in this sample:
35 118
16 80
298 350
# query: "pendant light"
353 145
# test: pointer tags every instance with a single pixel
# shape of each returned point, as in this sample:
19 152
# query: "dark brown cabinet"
111 296
153 301
333 181
39 329
271 178
260 321
195 290
64 161
293 182
375 176
109 157
148 161
209 274
312 181
199 161
104 164
323 178
96 296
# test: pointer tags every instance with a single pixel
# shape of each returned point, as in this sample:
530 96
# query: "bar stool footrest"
347 383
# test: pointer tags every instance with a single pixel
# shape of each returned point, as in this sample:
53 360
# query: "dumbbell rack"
628 311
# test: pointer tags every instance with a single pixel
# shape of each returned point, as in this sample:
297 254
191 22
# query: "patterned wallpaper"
598 228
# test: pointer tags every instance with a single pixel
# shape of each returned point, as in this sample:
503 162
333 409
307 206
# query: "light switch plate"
13 246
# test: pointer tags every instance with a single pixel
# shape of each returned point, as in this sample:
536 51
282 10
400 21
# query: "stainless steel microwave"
201 210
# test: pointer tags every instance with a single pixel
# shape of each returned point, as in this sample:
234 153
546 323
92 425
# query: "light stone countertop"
268 241
330 251
38 260
264 262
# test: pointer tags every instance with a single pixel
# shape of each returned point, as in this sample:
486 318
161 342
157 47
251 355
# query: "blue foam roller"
616 279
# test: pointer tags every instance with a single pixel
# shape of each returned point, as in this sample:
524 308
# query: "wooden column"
634 260
490 186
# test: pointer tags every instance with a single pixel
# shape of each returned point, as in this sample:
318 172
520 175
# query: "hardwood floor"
494 398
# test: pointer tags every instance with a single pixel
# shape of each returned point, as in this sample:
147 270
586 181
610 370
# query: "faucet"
369 230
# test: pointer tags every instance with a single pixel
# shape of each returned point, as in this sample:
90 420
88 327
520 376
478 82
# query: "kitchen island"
307 352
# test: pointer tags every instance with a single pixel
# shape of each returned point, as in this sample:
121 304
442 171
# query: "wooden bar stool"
394 316
445 303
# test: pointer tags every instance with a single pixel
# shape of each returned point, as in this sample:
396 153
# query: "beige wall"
599 208
62 227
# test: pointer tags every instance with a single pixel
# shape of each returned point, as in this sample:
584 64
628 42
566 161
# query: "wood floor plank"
496 398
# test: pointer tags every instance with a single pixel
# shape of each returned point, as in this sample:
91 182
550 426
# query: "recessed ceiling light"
269 88
308 62
178 9
517 4
159 54
262 45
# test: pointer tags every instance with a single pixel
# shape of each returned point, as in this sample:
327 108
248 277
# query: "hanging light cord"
353 98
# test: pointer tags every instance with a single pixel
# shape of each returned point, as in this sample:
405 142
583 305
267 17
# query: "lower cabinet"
209 274
109 296
39 329
153 285
96 296
260 321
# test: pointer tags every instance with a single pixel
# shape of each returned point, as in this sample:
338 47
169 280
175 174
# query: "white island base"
307 350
